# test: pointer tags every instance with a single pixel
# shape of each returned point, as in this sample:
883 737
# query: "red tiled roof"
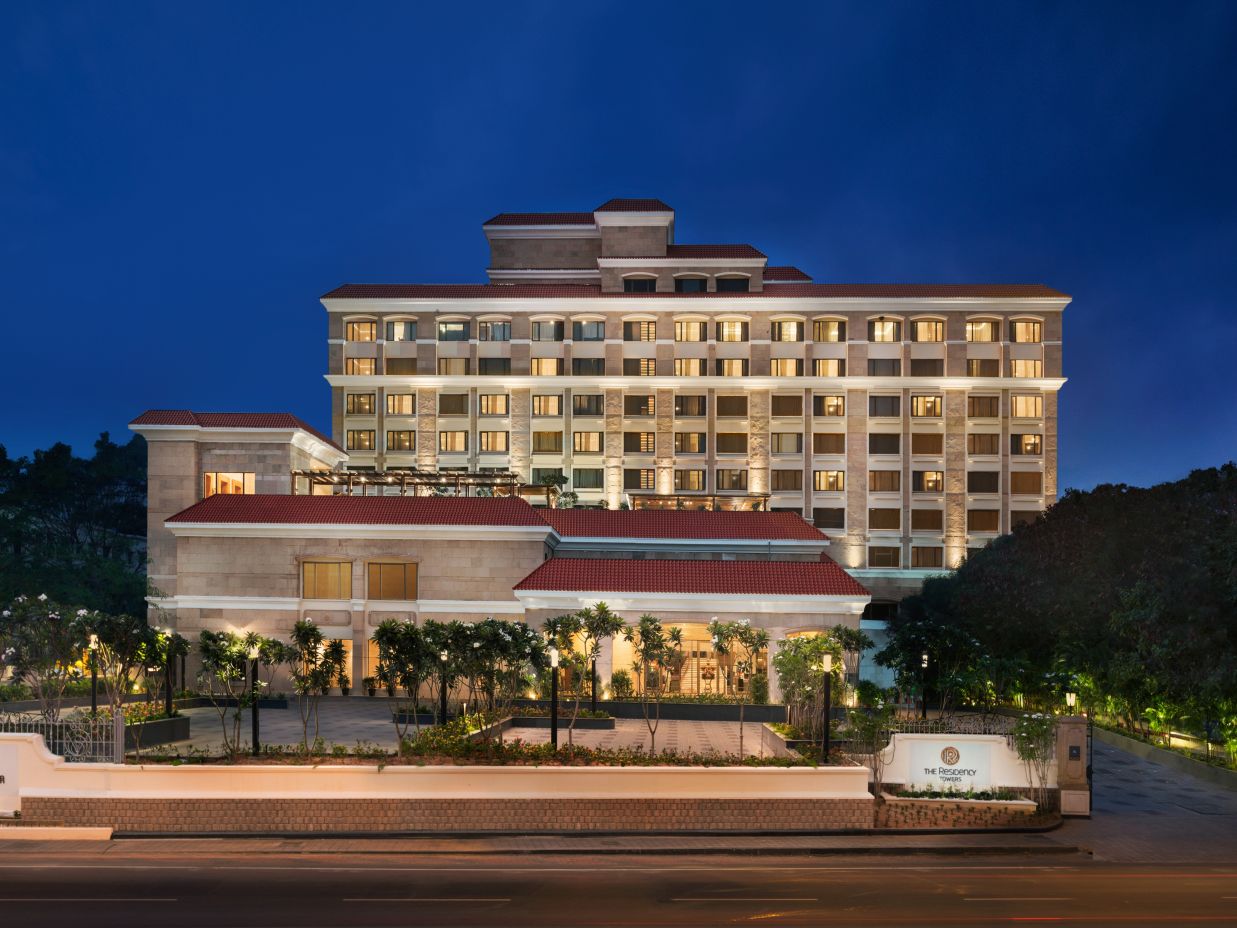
713 251
786 272
775 290
541 219
673 524
361 510
769 578
229 420
633 205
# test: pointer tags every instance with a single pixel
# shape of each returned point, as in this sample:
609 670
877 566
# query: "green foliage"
620 685
41 645
658 653
984 795
799 664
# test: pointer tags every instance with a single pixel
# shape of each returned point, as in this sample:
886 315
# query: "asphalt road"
220 891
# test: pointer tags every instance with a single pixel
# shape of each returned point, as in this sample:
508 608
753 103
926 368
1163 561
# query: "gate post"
1072 784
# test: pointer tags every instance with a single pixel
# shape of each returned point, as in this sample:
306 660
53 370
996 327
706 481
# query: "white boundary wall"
983 761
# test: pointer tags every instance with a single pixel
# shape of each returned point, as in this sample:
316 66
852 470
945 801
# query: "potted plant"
371 686
345 684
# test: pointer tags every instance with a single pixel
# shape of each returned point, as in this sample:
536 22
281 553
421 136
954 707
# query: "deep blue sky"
180 182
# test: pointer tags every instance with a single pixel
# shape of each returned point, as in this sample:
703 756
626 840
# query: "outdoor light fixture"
94 676
554 696
1071 699
826 665
167 672
923 685
442 694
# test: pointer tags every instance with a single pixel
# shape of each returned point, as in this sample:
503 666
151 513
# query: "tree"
553 484
798 663
562 631
746 643
41 643
854 642
658 656
224 657
310 674
407 661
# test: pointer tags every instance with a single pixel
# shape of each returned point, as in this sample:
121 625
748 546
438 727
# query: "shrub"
620 685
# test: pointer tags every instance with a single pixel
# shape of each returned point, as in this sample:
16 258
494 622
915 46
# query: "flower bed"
709 709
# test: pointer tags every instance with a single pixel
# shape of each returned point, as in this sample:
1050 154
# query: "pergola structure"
408 479
755 502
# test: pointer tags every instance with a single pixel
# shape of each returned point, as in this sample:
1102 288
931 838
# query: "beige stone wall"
633 241
517 253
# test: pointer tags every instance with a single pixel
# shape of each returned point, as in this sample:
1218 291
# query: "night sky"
180 182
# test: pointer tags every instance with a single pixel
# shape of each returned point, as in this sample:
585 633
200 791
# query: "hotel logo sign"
950 756
959 765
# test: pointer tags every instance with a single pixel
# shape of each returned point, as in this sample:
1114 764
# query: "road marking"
1018 899
745 899
613 869
62 899
433 899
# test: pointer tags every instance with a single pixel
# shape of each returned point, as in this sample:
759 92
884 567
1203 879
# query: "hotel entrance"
702 672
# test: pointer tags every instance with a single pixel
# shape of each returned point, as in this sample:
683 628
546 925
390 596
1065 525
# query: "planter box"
972 814
539 721
1018 806
679 711
160 731
781 746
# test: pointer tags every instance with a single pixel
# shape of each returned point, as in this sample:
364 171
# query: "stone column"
1075 788
776 635
605 665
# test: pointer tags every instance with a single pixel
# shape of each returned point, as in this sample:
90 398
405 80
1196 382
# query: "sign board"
944 764
8 778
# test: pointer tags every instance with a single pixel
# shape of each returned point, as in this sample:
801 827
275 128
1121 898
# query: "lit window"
547 442
732 331
546 367
927 481
1025 444
981 331
786 367
689 330
688 480
547 405
359 367
732 367
829 367
639 442
640 285
360 439
494 331
926 407
689 367
786 442
690 443
326 579
493 442
393 581
401 404
829 330
404 330
639 331
1026 406
453 367
639 478
927 330
690 406
401 440
454 331
828 480
361 331
587 404
229 484
1026 332
359 404
789 330
639 367
453 441
1024 368
829 405
729 479
884 330
493 404
586 442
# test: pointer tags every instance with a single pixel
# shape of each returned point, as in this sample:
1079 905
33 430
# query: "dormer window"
639 284
732 285
691 284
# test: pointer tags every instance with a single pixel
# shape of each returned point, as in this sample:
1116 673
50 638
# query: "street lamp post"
594 685
827 667
442 690
923 685
253 694
94 676
554 697
167 673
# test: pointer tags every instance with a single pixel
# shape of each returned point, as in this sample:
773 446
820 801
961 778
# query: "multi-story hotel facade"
911 423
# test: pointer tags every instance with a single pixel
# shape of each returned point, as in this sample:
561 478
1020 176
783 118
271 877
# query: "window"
1026 406
884 367
639 442
1025 368
879 556
927 481
786 442
400 366
732 443
926 407
587 442
732 406
326 580
454 331
551 331
831 406
404 330
885 443
493 404
639 331
587 478
730 479
639 404
884 406
981 443
885 519
786 367
361 331
588 367
688 480
927 443
494 331
640 285
547 442
547 405
691 284
981 331
689 407
983 367
453 404
453 367
983 520
689 330
689 367
983 407
828 443
592 331
1026 482
927 520
884 330
732 367
546 367
492 442
786 480
829 367
639 478
787 405
732 285
788 330
639 367
829 330
449 441
927 367
1019 517
401 404
359 367
927 557
542 474
732 331
829 518
828 480
359 404
494 366
884 481
983 481
393 581
690 443
401 440
1027 331
229 484
359 440
927 330
587 404
1026 444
